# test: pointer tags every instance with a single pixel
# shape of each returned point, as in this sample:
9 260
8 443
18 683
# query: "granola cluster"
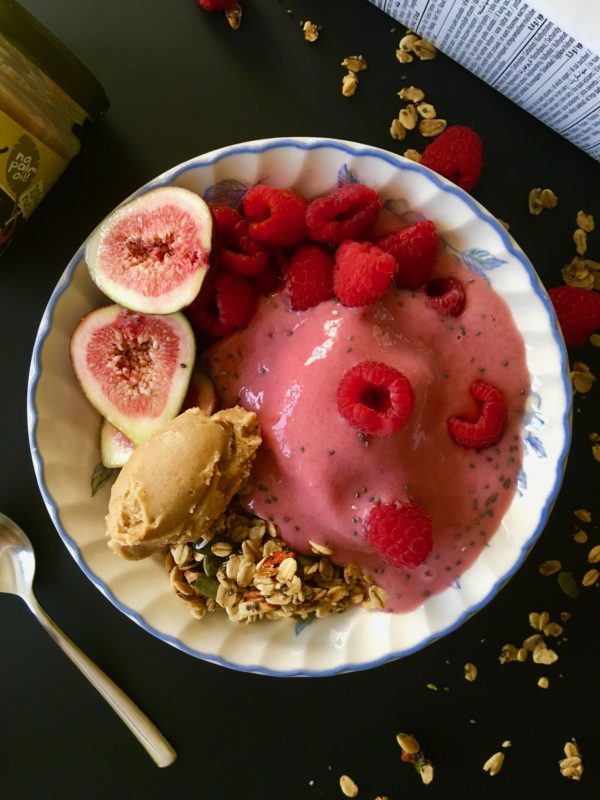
245 569
416 115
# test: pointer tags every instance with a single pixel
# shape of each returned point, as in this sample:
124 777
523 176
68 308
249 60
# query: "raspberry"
309 278
457 154
375 398
446 296
488 427
225 303
238 254
347 213
267 281
276 216
362 273
226 218
216 5
402 533
415 250
578 312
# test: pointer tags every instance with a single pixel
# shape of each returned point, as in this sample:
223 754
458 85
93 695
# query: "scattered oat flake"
403 57
432 686
348 787
426 111
426 773
234 16
522 654
534 620
543 682
596 451
565 616
582 378
508 653
580 537
311 31
580 239
354 63
412 155
535 201
408 117
553 629
577 273
539 199
548 198
590 577
595 339
585 221
507 743
408 42
494 763
504 224
544 655
349 84
411 93
397 130
424 50
432 127
549 567
408 743
594 555
470 672
583 514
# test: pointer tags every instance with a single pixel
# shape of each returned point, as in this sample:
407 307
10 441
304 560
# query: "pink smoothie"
317 477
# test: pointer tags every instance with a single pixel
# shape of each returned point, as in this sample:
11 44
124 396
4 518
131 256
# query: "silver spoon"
17 568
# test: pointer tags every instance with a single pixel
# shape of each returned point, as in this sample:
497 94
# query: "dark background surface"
182 83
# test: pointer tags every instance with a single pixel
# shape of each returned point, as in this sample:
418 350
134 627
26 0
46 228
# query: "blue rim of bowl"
351 149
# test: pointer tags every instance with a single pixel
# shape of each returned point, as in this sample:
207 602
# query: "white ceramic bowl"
64 428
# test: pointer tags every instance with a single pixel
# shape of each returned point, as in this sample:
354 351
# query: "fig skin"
115 447
201 393
105 365
151 253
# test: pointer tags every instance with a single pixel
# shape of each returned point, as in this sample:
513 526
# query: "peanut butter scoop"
177 485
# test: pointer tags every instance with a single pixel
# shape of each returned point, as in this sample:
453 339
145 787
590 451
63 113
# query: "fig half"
115 447
151 254
134 368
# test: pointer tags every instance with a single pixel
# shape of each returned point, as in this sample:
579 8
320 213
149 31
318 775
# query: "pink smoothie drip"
317 477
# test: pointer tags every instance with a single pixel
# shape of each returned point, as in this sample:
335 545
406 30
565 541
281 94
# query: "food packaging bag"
544 55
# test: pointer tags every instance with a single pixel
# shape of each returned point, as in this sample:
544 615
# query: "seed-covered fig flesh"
134 368
201 393
115 447
151 254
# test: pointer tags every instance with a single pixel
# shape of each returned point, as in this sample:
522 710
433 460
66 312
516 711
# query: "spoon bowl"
17 568
17 559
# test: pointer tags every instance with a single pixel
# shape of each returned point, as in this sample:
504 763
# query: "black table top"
181 83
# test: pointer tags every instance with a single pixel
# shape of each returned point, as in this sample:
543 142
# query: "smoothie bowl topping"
315 402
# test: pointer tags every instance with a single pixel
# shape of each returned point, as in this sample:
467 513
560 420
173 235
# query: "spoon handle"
138 723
